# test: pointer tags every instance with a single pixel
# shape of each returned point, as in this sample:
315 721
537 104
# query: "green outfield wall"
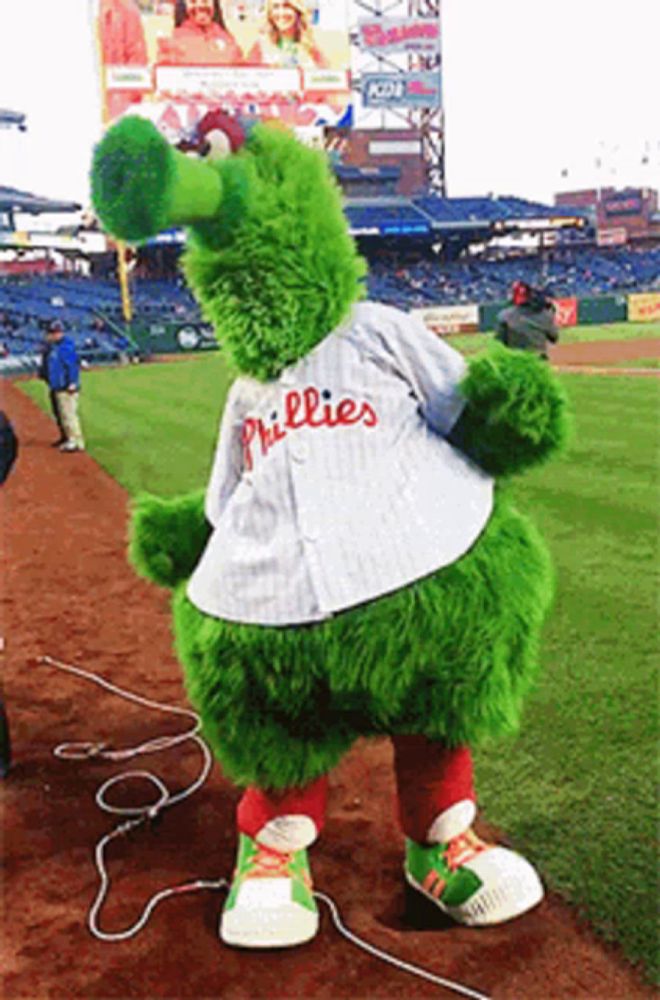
155 336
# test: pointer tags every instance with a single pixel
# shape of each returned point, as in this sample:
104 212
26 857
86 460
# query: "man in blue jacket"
60 368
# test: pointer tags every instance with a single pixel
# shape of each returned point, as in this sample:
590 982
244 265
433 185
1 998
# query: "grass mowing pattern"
571 335
575 790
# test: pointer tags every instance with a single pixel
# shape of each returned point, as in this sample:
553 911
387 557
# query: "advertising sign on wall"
172 60
401 90
623 204
616 236
566 312
384 35
450 319
644 308
86 243
168 338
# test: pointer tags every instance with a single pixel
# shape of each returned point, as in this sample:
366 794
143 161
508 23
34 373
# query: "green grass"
469 342
152 426
575 792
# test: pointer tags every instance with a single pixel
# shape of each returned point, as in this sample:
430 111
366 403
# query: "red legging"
430 778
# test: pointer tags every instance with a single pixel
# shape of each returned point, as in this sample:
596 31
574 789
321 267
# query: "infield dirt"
70 593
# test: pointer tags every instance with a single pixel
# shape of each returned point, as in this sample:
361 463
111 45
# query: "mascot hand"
516 412
167 537
141 185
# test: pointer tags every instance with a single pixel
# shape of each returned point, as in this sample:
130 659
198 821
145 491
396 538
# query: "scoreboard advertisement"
172 60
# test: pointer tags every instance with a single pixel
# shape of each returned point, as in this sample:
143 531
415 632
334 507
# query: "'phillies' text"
303 409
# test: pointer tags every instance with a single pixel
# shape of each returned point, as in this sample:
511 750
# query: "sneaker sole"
488 907
266 928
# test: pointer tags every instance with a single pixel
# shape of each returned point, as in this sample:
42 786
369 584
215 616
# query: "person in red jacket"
200 36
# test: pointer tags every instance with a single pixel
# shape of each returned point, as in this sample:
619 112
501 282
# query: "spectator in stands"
528 324
287 38
123 346
60 368
200 36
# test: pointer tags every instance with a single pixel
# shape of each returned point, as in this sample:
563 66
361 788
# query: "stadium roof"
349 173
23 201
429 214
9 118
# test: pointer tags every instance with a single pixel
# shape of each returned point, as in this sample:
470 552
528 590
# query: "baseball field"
575 791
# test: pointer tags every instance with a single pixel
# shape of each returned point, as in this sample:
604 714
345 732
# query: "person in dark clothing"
528 324
60 368
52 395
8 453
8 446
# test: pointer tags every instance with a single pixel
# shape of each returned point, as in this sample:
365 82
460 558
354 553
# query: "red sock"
258 807
430 778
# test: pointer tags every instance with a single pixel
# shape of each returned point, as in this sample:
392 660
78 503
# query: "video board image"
285 59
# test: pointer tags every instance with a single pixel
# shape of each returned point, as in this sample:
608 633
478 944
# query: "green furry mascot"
352 569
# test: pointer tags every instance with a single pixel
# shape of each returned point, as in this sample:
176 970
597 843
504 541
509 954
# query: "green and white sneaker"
476 884
271 903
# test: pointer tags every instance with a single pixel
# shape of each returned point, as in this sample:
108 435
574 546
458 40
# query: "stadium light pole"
122 268
430 121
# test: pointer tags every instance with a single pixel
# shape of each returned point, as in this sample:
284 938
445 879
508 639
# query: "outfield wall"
163 337
572 311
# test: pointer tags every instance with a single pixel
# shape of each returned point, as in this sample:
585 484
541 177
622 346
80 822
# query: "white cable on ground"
398 963
147 813
140 814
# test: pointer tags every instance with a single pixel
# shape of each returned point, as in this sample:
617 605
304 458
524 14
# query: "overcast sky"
531 88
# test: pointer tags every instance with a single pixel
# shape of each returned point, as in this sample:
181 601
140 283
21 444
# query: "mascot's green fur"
450 656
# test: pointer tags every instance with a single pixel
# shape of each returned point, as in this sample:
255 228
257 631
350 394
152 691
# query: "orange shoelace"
269 863
463 848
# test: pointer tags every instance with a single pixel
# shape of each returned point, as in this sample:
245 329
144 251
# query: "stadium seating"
408 278
90 310
386 217
408 281
479 210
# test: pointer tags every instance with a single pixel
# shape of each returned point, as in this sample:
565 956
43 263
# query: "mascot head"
269 256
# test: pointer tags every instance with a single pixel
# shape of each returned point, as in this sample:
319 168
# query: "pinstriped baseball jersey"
335 483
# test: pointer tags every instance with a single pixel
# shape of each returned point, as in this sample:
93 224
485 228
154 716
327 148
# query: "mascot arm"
167 537
515 414
505 410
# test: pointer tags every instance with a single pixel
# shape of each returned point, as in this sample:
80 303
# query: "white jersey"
335 483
